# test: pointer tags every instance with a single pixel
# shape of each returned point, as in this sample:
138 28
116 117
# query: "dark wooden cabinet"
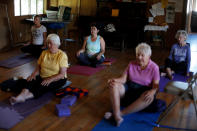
129 23
131 19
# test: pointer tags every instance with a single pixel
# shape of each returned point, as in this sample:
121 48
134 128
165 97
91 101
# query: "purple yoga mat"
21 110
87 70
16 61
28 106
176 77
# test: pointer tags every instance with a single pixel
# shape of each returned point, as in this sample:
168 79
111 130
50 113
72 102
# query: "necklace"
93 38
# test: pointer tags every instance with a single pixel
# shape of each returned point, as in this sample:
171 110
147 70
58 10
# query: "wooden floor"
88 111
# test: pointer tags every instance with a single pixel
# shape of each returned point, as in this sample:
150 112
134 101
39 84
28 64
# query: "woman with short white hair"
50 73
180 56
136 88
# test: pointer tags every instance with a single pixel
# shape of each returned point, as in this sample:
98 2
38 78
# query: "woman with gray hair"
50 73
136 88
180 56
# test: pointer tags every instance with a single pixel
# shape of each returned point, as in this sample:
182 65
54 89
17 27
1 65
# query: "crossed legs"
24 95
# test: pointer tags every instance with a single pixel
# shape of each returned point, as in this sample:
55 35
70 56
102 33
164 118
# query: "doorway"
191 15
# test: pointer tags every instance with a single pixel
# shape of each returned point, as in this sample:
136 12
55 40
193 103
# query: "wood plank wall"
18 25
88 7
179 22
4 27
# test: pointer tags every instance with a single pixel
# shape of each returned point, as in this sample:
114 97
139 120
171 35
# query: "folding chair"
184 89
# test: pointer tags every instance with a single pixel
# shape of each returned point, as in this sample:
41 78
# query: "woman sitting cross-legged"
136 88
93 49
38 39
180 56
50 73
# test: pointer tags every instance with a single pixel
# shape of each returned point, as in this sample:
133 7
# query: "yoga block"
68 100
62 110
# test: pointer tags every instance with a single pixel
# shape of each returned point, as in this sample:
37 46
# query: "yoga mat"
176 77
84 70
139 121
87 70
16 61
21 110
110 60
29 106
11 115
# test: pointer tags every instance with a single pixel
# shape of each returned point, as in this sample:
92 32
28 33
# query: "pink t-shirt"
143 77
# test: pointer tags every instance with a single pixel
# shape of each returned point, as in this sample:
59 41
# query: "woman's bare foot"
119 121
163 74
170 77
15 100
108 115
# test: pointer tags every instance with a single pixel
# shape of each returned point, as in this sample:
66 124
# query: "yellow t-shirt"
50 64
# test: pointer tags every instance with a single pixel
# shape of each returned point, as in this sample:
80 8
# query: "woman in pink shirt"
136 88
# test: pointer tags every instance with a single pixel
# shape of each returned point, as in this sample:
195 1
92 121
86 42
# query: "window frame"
29 8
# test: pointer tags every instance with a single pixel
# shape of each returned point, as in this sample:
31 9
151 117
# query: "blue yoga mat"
140 121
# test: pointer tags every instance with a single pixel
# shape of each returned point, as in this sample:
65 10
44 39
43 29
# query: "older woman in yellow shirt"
50 73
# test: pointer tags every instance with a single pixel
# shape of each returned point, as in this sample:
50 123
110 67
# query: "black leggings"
38 90
34 50
177 67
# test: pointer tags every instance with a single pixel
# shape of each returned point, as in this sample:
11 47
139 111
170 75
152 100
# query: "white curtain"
188 15
191 6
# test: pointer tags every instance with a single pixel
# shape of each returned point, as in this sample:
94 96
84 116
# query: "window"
28 7
195 5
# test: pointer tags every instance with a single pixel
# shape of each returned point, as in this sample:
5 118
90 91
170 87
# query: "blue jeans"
84 59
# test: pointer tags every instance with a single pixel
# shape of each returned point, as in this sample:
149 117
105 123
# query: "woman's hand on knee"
148 96
79 52
111 83
98 57
46 82
31 77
